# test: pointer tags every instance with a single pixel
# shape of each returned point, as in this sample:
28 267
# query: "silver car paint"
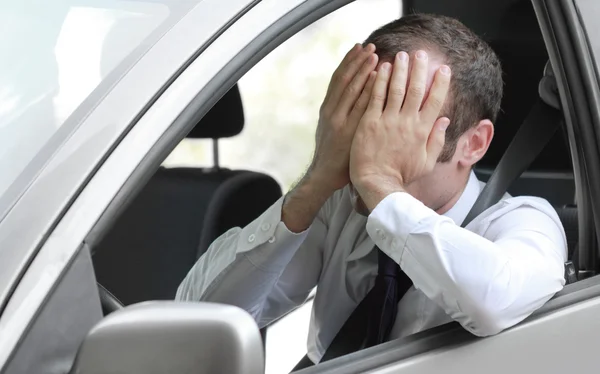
169 337
556 343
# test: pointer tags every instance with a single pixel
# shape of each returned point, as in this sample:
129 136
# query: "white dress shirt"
488 276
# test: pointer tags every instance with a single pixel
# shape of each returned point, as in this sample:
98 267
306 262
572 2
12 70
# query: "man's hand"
340 114
398 140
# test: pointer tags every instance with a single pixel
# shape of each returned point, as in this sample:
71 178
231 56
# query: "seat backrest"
157 239
236 203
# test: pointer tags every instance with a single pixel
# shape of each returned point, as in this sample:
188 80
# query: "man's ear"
475 142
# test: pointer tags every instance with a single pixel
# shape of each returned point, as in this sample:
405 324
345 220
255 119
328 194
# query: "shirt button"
272 240
251 238
265 227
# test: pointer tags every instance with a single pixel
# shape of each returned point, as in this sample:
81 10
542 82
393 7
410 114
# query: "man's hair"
476 84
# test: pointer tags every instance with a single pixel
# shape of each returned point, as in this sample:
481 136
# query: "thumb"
436 140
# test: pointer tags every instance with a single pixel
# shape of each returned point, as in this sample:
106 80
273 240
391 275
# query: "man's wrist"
317 183
303 202
375 190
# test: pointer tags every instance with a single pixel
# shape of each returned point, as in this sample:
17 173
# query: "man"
384 151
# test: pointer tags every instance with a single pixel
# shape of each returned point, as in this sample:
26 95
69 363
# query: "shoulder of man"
511 204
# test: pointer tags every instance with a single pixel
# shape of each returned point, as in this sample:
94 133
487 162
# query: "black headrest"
223 120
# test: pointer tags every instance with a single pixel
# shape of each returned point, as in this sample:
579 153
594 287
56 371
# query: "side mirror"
171 337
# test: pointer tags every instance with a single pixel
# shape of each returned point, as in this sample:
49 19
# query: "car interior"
180 211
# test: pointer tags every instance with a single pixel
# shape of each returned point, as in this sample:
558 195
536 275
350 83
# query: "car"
84 200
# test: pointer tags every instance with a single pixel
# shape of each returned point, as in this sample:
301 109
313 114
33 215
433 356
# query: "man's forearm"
304 201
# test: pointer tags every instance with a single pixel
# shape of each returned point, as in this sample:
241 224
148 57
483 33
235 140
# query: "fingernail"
444 125
421 55
386 66
403 56
371 47
445 70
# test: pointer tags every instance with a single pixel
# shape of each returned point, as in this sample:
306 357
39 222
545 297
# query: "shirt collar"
465 202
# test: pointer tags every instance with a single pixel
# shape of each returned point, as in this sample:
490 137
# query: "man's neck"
455 196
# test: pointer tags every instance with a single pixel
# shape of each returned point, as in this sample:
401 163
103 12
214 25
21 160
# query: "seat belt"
529 141
533 135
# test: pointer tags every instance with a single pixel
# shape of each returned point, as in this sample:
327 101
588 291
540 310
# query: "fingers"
351 54
363 101
418 80
437 95
379 91
346 72
398 83
355 88
347 58
436 141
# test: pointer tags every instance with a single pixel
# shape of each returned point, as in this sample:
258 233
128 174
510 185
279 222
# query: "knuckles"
416 90
397 91
435 101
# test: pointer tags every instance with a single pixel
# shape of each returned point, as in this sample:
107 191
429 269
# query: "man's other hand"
399 137
339 116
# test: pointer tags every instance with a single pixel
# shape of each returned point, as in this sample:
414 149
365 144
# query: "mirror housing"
173 337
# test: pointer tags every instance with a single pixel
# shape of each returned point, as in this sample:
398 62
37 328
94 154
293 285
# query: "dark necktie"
372 320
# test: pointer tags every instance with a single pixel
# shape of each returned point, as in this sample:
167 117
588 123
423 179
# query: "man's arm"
263 268
271 265
487 280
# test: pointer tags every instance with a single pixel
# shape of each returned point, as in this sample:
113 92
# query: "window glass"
54 56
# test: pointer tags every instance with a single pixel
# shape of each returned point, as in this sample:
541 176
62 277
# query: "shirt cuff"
393 220
267 234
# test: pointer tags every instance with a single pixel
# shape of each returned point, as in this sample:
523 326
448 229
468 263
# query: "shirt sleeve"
486 280
263 268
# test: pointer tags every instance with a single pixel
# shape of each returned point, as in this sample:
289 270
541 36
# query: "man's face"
437 187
